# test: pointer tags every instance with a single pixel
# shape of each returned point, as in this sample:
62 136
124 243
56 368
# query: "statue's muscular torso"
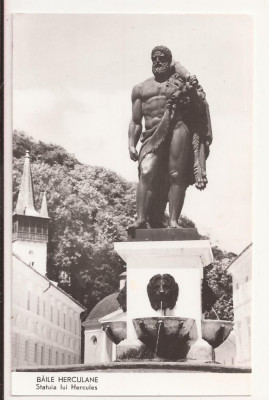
148 102
150 96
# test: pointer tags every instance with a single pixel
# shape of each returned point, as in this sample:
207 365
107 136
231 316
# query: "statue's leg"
178 170
161 186
148 168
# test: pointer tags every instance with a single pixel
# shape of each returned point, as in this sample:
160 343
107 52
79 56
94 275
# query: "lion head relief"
162 292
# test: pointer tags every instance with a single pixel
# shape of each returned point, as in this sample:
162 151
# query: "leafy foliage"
90 208
48 153
221 283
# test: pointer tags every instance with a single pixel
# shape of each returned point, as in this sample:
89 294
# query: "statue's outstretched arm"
135 126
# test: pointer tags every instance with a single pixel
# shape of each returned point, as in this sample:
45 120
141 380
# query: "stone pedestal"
183 259
202 351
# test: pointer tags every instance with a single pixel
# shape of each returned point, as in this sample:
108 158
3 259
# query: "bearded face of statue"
160 64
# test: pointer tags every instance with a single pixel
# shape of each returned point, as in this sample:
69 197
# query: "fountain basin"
215 332
115 330
167 337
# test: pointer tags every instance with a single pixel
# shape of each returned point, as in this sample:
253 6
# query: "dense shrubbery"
221 284
90 208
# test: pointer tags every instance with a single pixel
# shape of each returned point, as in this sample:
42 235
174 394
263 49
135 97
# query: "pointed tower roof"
25 203
44 207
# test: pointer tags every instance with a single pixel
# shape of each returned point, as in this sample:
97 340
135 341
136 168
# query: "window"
246 278
28 300
27 223
15 226
63 361
58 317
94 340
38 305
49 356
237 286
25 226
15 345
26 350
35 353
248 323
239 327
42 355
64 321
70 324
69 359
38 227
32 227
45 228
44 309
57 358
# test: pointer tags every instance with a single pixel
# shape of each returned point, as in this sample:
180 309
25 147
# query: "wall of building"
32 252
46 327
98 347
242 283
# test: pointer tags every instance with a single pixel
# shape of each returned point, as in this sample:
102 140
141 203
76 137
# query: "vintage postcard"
130 234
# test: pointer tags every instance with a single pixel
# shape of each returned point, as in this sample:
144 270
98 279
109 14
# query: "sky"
72 82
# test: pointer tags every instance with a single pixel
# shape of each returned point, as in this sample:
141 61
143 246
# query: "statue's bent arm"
179 69
182 71
209 135
135 126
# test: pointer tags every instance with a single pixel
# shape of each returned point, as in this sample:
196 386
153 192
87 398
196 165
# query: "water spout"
215 313
160 324
163 310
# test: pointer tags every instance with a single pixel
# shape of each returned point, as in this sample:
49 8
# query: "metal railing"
36 237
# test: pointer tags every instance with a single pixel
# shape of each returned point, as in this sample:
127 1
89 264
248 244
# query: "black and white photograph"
132 195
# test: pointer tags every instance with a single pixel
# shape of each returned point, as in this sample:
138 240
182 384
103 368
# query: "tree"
221 283
48 153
